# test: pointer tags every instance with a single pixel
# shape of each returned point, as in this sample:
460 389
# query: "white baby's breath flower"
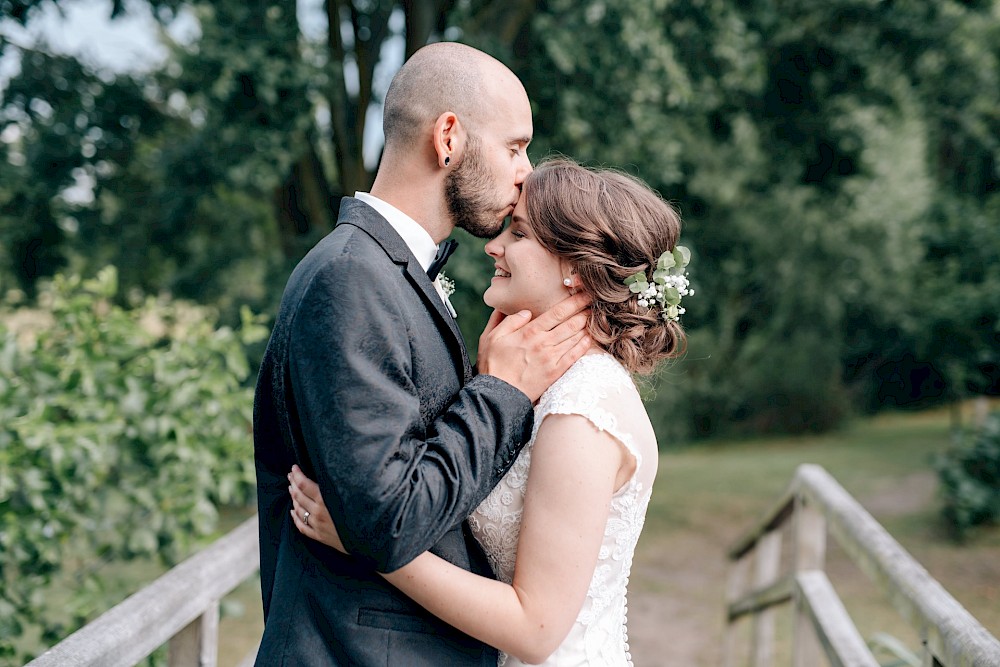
665 287
447 284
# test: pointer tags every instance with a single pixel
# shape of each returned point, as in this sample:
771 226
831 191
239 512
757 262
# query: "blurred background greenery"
837 166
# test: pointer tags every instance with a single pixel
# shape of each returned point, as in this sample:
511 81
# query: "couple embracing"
399 524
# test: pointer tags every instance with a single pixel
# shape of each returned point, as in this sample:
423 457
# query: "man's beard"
469 194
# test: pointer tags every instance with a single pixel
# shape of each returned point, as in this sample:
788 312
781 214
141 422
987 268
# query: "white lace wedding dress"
600 389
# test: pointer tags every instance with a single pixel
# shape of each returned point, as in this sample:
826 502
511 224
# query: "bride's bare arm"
574 472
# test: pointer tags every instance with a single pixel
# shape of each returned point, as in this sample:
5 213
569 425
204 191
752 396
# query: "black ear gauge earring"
447 161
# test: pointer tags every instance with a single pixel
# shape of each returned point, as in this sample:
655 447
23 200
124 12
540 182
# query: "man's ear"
449 139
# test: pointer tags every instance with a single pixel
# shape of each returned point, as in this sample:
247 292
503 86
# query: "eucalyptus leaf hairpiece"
667 286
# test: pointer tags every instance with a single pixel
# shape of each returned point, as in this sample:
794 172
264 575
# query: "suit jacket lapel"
357 213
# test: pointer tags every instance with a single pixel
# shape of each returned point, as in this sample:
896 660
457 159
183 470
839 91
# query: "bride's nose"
494 248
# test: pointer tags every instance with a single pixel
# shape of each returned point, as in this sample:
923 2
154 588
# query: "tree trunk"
304 205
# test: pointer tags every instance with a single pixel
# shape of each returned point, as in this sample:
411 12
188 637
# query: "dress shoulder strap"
598 388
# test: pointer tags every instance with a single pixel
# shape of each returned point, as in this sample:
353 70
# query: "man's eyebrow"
521 140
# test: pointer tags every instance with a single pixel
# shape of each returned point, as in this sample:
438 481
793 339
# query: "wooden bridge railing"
815 505
180 608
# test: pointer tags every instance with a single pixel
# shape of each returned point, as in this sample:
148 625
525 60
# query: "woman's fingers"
301 500
309 513
306 486
299 525
305 502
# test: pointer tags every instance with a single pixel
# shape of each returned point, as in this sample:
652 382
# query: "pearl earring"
567 282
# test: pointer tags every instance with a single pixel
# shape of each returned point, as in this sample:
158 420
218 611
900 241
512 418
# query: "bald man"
367 386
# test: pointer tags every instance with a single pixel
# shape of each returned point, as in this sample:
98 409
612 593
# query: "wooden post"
809 530
197 645
736 588
766 564
980 411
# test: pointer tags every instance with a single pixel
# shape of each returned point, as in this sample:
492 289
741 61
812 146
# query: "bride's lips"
499 273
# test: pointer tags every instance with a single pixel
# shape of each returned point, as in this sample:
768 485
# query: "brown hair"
608 225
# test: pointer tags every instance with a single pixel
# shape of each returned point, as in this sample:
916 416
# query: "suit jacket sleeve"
394 484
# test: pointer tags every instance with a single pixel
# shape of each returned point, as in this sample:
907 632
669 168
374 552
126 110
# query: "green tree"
827 159
803 143
212 176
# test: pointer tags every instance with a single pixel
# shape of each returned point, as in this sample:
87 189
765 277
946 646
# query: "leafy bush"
122 431
970 480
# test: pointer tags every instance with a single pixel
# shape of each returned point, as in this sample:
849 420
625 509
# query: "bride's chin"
503 308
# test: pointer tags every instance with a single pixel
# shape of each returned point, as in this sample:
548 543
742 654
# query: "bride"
561 527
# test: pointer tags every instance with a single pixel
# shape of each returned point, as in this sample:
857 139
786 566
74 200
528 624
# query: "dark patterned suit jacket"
366 384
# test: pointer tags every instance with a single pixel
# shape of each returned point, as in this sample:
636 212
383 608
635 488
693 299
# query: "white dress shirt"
416 237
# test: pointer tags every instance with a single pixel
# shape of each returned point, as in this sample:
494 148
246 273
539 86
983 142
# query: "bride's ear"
571 279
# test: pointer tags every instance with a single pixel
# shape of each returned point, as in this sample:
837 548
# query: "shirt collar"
416 237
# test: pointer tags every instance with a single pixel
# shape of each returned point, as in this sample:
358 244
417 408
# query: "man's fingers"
569 329
563 352
496 317
576 347
508 325
562 311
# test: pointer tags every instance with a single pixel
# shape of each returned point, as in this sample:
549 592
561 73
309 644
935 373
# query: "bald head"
440 77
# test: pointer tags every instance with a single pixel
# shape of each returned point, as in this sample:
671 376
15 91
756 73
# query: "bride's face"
528 277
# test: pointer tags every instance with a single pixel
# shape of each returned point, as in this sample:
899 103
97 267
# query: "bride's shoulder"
600 390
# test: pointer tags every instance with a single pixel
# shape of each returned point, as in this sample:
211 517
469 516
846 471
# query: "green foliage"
811 149
122 431
835 163
98 169
959 294
970 480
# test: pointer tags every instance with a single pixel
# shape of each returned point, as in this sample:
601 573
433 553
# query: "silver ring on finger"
305 518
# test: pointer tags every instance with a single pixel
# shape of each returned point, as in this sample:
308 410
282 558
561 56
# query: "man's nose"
523 169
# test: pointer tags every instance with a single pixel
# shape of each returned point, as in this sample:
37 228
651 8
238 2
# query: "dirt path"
675 604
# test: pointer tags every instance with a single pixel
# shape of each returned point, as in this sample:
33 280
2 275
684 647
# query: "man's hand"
532 354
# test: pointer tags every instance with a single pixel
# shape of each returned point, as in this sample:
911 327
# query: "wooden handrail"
817 504
772 519
841 640
181 607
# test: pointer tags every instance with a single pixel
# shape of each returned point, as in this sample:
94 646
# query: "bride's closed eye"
518 229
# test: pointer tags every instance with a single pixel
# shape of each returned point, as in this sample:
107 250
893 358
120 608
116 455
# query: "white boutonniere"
447 284
447 287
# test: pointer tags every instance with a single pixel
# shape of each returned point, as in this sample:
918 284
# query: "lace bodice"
600 389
